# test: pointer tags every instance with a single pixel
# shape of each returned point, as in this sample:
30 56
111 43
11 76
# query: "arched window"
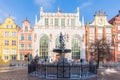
44 47
75 48
57 43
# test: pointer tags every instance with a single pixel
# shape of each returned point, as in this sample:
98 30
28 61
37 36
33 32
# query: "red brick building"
115 21
98 29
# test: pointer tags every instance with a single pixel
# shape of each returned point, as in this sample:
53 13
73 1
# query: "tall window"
6 42
108 38
6 34
6 57
118 36
75 48
108 30
57 44
118 57
62 22
46 22
13 42
13 57
26 28
29 46
22 37
56 22
13 34
6 26
92 30
72 22
21 56
11 26
29 37
100 30
5 51
68 22
22 46
118 27
44 47
13 51
118 46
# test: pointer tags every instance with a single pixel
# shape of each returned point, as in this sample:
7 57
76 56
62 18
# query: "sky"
20 9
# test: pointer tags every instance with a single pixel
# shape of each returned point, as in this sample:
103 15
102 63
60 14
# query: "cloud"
47 4
86 4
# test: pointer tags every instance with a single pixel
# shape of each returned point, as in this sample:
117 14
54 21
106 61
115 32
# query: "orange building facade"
100 28
115 21
25 41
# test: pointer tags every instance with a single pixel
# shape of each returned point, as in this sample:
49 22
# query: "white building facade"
48 29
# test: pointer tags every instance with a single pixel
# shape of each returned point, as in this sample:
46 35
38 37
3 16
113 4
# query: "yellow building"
9 40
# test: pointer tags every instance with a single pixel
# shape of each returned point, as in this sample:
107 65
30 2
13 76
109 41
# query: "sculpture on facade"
62 41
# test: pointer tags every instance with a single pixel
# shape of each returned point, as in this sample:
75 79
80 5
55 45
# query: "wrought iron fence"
52 70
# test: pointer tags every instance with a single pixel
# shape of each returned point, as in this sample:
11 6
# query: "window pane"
57 44
92 30
13 51
118 27
62 22
26 28
43 47
75 48
6 42
29 37
72 22
100 30
13 42
7 26
46 21
6 34
22 37
118 47
22 46
29 46
56 22
5 51
13 34
21 57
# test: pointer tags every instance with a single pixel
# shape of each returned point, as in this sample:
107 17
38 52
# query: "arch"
44 47
75 47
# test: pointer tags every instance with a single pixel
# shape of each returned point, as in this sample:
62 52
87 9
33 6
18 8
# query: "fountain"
62 63
62 68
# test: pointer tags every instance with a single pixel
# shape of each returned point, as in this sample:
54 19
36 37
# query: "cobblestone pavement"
21 74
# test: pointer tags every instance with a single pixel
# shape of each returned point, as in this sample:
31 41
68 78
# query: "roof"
111 21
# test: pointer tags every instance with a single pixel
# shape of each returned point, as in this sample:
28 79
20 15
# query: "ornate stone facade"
47 31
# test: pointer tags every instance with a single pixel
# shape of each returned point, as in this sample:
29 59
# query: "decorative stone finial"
119 12
78 9
100 12
9 15
105 14
87 23
41 9
59 10
35 19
